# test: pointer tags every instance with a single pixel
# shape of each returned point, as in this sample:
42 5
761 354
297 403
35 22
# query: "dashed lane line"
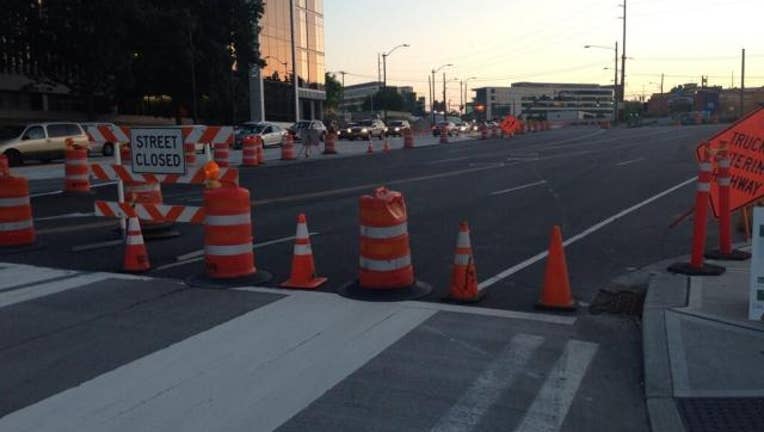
519 188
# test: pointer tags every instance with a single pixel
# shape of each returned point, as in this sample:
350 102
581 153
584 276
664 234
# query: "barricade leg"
725 251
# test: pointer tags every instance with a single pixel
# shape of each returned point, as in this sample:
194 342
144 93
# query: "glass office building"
273 91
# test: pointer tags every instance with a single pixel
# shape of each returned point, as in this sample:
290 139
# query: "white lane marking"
500 313
198 255
548 410
629 162
466 414
592 229
59 192
517 188
254 372
99 245
20 274
64 216
43 289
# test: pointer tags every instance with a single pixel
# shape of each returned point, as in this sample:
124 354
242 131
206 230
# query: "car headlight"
364 130
349 130
397 129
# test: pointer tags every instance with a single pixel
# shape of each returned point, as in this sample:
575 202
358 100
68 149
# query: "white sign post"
157 151
756 301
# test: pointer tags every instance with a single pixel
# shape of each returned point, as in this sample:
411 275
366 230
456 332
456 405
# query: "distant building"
711 101
272 90
355 95
545 100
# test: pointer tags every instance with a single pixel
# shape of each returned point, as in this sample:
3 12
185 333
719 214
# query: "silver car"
272 134
40 141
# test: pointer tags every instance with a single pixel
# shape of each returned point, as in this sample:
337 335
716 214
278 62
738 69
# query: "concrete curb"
664 291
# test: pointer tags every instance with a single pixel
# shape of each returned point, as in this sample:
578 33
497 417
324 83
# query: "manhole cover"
722 414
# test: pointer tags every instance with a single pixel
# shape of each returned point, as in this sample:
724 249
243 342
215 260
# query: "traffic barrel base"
704 270
353 290
202 280
734 255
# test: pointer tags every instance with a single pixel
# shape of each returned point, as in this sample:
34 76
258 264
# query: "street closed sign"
744 142
157 150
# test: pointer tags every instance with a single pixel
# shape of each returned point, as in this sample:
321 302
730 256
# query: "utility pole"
379 68
615 87
742 83
445 108
429 88
623 58
342 99
461 97
662 76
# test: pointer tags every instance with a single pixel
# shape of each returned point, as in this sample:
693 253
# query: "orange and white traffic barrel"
260 151
287 148
222 154
249 150
76 168
330 143
228 250
16 223
385 261
408 138
443 135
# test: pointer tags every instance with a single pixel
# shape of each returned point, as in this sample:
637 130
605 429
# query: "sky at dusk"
506 41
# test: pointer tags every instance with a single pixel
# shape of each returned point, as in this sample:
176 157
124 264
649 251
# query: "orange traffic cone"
386 146
136 258
556 291
370 149
464 286
303 268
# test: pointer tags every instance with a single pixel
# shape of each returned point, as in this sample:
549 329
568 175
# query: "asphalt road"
614 193
511 191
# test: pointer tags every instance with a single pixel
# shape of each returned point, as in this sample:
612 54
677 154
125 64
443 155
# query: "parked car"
301 125
102 148
344 133
396 127
450 127
368 129
269 132
40 141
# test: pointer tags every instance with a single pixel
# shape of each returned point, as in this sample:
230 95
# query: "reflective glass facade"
276 50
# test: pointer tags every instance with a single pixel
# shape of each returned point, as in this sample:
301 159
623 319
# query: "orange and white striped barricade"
330 143
150 212
385 268
287 148
408 138
197 176
16 222
249 150
76 170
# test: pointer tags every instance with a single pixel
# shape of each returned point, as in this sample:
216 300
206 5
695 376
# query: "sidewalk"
702 357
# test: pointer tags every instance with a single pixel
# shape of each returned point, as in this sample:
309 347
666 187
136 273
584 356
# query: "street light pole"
384 70
434 71
615 78
466 91
623 58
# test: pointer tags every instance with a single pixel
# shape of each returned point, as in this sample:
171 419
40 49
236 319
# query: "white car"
272 134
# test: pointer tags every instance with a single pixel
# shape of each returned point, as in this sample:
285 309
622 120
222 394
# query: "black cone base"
705 270
354 291
735 255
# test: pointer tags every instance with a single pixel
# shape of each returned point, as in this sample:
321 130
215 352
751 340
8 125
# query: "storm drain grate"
622 302
722 414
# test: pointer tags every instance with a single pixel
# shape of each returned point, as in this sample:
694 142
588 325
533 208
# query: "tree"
334 91
384 99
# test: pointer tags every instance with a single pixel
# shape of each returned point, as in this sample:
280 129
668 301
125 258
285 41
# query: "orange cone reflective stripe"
556 292
136 259
464 286
303 273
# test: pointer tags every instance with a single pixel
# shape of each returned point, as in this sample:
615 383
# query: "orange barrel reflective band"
16 223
